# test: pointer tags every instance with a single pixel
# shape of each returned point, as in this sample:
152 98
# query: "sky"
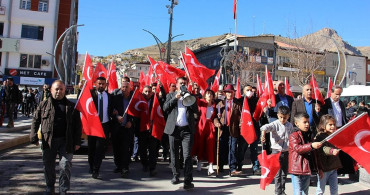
114 26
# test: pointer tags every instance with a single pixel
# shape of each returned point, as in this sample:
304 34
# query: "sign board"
9 45
31 81
28 73
287 69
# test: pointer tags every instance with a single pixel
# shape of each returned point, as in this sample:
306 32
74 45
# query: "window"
30 61
368 69
43 5
32 32
26 4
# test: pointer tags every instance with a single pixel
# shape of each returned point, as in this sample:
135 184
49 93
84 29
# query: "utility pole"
170 11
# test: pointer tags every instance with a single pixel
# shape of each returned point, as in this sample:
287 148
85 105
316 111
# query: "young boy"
300 157
279 136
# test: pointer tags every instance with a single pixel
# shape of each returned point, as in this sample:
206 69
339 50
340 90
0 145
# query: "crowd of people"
14 100
295 127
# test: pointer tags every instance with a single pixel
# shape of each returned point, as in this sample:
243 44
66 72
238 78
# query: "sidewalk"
19 134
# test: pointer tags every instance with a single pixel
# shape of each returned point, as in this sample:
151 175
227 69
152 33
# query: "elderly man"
335 107
228 119
180 126
61 134
281 100
309 106
122 128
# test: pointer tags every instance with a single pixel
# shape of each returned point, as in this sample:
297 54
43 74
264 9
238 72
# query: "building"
29 31
134 71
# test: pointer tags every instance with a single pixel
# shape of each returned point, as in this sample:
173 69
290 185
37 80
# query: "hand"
263 139
120 119
269 102
321 174
178 95
336 152
218 125
159 83
77 147
317 107
128 125
219 115
316 145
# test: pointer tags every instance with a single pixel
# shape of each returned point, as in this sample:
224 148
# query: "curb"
14 142
19 128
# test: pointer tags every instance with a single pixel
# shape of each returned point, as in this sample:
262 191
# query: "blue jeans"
49 154
332 178
301 183
232 153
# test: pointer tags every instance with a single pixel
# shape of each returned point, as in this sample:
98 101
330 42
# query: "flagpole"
83 69
314 91
235 21
78 98
342 128
185 68
129 103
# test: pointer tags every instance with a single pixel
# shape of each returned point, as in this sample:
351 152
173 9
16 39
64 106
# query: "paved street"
21 173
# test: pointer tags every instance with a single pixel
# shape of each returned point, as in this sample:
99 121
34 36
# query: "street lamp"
170 11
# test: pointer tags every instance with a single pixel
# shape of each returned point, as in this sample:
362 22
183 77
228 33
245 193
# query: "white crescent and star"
100 73
159 112
363 133
193 62
87 106
88 73
167 70
138 103
266 173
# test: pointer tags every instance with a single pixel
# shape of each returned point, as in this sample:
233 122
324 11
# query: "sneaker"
235 173
95 174
175 180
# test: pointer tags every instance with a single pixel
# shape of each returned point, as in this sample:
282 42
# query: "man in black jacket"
97 145
122 128
61 134
180 127
11 100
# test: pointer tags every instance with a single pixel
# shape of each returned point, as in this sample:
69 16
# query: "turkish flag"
90 121
354 139
330 85
287 89
247 128
316 92
141 81
112 78
139 107
259 87
216 82
238 94
197 72
158 119
261 104
269 167
170 70
269 87
234 8
99 71
88 68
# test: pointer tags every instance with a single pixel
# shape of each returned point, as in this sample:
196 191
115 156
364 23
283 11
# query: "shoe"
188 186
116 170
49 191
199 166
153 173
175 180
211 172
235 173
95 174
124 173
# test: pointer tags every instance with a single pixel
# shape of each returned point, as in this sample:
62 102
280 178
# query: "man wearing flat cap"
228 119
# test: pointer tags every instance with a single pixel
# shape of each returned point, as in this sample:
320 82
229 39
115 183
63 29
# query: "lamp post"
170 11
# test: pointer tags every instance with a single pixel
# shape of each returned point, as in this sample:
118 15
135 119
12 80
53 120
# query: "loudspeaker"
188 100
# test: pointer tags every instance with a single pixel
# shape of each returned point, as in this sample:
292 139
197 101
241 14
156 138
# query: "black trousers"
182 136
121 143
224 147
96 147
147 143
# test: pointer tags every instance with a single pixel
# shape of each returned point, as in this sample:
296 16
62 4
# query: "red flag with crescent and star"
268 93
158 119
198 73
270 165
288 91
99 71
90 121
139 107
161 75
238 93
216 82
88 68
112 79
316 91
330 85
247 128
354 139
